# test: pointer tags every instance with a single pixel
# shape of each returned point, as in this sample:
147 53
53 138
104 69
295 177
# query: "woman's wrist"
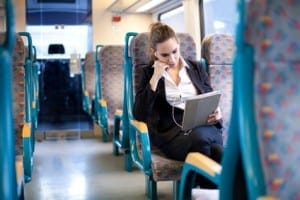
153 82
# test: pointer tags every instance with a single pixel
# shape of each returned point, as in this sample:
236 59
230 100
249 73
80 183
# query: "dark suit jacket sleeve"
145 96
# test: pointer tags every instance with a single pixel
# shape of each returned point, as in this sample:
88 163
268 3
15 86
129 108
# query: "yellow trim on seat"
86 93
33 104
103 103
26 131
141 126
205 163
119 112
267 198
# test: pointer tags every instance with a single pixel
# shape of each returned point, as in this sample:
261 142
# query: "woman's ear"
153 53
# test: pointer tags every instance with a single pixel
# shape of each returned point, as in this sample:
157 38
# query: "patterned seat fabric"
162 167
19 91
112 75
273 31
89 71
217 50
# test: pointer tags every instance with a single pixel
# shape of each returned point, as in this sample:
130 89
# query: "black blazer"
152 107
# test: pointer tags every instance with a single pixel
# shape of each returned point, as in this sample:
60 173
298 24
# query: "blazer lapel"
195 78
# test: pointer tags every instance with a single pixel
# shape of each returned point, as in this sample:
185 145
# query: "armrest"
141 127
86 101
204 165
267 198
140 150
118 113
102 103
27 151
86 93
26 130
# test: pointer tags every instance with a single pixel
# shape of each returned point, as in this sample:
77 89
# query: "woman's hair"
159 33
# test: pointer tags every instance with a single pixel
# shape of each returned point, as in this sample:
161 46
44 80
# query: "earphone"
187 132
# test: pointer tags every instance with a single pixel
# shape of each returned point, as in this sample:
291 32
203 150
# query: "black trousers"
203 139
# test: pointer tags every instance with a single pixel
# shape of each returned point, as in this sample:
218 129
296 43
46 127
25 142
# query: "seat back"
269 49
155 165
139 50
89 79
7 155
217 50
111 59
19 91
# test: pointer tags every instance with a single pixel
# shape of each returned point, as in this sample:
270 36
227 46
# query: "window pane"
174 18
74 38
220 16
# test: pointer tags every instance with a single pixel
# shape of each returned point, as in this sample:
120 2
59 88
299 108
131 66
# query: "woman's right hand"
159 68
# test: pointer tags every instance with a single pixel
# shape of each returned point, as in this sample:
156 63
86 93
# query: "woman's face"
168 52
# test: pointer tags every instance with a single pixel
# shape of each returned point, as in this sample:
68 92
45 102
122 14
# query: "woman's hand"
215 116
159 68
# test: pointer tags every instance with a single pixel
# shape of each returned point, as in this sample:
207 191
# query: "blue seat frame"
30 111
121 117
222 175
9 188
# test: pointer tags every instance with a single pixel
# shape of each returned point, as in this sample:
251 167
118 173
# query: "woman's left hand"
215 116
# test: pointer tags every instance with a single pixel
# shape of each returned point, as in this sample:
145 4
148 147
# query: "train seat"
217 50
111 75
19 91
88 71
155 165
18 108
269 49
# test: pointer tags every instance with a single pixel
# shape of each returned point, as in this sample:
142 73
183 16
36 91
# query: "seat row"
19 107
109 75
260 121
260 159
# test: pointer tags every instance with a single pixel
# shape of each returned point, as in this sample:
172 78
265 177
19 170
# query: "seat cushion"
165 169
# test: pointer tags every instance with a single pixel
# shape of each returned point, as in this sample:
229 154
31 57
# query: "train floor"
69 166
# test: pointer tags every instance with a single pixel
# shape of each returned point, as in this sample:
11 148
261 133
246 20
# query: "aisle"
85 169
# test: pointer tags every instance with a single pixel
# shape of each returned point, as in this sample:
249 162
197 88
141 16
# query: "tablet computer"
197 109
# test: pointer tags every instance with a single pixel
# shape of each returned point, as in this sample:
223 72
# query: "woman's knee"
203 137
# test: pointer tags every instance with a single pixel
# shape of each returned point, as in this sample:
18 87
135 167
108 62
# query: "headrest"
139 48
273 29
89 57
217 49
112 54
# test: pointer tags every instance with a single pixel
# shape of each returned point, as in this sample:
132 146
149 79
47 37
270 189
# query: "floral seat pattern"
112 79
273 30
89 71
162 168
217 50
19 91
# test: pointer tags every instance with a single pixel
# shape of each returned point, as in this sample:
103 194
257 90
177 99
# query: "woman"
162 84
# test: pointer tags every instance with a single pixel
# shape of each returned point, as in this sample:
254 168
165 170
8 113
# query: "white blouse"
176 94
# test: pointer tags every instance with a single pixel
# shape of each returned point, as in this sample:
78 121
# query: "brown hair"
159 33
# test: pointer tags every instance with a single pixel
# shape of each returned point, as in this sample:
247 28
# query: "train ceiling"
50 12
76 12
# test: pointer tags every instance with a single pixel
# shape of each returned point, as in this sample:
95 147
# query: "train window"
69 36
174 18
220 16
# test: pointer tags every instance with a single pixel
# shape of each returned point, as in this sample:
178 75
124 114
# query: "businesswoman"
160 88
